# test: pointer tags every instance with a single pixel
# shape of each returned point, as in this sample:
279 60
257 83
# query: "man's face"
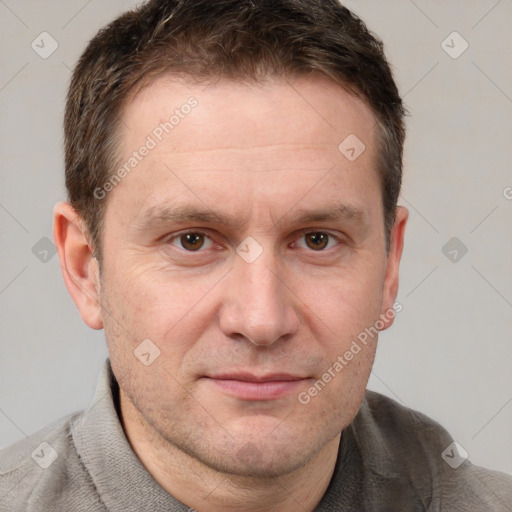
283 266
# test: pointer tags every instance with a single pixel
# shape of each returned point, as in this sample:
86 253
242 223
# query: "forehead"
270 113
251 143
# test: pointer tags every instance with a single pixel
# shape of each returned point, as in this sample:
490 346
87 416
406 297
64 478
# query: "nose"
258 304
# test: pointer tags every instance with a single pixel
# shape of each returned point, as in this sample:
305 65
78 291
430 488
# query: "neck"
207 490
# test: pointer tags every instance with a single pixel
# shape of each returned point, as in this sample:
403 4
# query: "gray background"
449 353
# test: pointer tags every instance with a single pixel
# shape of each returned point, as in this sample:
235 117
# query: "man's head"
242 40
248 248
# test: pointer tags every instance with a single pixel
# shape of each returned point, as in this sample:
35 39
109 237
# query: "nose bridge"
262 285
259 306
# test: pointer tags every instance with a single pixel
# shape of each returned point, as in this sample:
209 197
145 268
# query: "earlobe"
79 268
396 245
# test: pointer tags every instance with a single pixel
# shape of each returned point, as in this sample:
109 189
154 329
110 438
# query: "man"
233 169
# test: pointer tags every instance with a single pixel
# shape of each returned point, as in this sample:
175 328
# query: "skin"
260 155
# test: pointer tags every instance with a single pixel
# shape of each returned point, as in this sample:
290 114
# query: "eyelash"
177 236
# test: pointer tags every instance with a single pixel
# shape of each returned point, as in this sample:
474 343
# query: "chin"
262 462
255 452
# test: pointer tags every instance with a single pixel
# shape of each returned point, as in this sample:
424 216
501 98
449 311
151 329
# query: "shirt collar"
118 475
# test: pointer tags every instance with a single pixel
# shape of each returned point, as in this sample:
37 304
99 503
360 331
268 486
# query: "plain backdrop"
449 353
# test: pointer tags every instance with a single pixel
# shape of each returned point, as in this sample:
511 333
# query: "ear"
390 289
79 268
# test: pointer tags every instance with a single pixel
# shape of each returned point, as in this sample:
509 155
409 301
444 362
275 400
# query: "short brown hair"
243 40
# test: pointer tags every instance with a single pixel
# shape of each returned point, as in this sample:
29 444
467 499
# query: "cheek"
154 298
343 313
149 334
338 390
168 308
346 300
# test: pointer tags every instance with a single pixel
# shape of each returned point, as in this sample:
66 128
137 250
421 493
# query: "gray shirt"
390 459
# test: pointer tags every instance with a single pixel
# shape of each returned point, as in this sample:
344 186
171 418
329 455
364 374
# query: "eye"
191 241
317 241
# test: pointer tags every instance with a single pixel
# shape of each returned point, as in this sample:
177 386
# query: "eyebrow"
342 212
186 214
167 215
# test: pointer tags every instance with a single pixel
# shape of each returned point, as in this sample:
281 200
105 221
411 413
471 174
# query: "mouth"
246 386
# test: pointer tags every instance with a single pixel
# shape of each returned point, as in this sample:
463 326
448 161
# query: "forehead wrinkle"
306 146
298 158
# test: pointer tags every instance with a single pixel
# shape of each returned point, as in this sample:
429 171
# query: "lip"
246 386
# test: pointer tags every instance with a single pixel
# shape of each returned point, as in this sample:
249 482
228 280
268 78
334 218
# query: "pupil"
191 241
319 240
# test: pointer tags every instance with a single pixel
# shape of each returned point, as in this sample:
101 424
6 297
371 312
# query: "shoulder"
393 422
401 441
44 472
